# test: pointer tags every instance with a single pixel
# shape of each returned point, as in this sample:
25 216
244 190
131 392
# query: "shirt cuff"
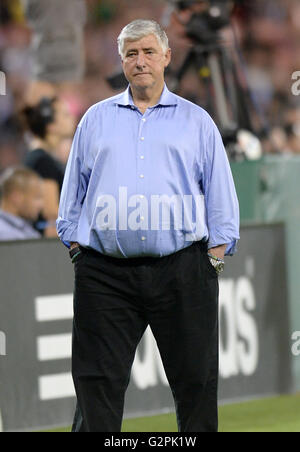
231 247
67 231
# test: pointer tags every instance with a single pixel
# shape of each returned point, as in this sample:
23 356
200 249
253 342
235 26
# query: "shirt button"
142 138
143 238
141 196
142 218
144 120
142 157
142 176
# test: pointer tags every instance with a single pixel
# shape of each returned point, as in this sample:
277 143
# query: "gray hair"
139 29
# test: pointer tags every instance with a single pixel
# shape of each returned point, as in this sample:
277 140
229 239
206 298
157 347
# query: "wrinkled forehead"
146 42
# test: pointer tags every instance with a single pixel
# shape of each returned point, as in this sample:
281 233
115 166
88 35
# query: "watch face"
218 266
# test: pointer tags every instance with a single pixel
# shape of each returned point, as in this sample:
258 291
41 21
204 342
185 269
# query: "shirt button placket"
142 156
141 160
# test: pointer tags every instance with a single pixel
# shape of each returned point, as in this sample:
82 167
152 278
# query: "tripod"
226 100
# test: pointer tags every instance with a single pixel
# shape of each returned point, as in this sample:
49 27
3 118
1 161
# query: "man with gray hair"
136 265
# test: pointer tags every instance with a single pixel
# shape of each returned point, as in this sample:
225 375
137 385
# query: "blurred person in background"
50 124
21 201
293 138
268 32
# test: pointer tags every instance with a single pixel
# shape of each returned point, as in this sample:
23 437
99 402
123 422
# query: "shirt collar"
166 99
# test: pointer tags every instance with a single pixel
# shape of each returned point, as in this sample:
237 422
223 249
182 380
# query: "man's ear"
168 57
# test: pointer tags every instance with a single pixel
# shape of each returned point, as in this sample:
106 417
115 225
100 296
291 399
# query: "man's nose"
140 61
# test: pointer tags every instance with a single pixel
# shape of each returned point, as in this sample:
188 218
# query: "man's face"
144 62
31 200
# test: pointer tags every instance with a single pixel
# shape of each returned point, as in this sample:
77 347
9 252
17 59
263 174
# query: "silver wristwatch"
217 263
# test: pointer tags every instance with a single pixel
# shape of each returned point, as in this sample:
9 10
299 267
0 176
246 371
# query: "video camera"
205 25
230 102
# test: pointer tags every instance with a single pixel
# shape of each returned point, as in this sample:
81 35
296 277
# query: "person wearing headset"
49 122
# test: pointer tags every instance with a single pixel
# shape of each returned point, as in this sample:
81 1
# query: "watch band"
215 258
217 263
74 252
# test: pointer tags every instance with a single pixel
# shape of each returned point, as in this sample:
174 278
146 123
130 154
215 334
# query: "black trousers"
114 301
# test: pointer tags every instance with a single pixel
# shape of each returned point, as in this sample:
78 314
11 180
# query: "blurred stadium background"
68 50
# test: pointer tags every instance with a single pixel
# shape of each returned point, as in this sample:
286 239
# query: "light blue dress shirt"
148 184
15 228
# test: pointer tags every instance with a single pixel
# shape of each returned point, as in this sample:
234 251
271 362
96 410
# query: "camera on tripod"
227 99
213 15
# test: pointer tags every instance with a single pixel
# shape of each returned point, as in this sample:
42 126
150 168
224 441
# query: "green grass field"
277 414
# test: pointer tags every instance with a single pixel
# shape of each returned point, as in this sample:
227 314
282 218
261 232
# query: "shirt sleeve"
73 190
222 207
